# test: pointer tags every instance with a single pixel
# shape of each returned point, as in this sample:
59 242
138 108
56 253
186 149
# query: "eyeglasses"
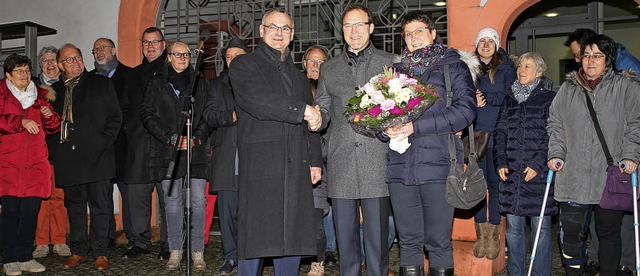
593 56
181 55
100 48
153 43
47 61
576 55
21 72
416 32
316 61
275 29
70 60
358 25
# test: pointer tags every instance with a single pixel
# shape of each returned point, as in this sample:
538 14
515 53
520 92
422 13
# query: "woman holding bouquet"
417 177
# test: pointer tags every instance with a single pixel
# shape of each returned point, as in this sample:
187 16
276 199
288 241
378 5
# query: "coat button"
289 160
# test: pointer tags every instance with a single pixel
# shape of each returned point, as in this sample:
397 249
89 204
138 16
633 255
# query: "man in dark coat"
219 113
106 64
83 156
138 149
279 158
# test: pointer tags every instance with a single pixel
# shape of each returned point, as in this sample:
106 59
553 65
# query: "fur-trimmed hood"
50 94
472 62
572 76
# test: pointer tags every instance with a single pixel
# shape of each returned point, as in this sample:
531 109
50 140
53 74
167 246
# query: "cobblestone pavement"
148 265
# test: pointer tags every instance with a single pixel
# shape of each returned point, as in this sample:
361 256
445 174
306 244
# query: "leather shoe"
135 252
624 271
102 263
74 261
164 254
329 259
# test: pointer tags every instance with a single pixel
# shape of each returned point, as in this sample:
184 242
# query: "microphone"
204 36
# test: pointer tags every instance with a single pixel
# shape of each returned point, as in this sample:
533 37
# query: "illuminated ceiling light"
440 4
552 14
394 16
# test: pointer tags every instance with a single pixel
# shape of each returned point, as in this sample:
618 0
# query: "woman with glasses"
25 118
417 178
161 112
579 185
498 73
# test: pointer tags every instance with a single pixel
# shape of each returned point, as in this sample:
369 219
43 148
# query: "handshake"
313 117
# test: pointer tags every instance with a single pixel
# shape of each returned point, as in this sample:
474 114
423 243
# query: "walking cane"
544 205
634 184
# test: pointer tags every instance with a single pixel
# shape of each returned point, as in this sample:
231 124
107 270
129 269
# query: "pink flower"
374 111
396 111
387 104
413 102
377 97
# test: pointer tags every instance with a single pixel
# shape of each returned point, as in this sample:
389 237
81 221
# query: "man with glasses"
352 183
83 154
106 64
279 158
624 61
137 175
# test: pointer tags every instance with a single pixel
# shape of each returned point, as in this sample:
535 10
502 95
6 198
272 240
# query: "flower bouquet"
387 100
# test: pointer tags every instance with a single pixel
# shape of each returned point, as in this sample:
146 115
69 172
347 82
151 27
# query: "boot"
436 271
412 271
493 241
479 247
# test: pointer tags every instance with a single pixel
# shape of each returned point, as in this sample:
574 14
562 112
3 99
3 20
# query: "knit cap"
490 33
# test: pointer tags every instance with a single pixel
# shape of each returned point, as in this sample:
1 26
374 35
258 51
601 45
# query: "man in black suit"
106 64
83 155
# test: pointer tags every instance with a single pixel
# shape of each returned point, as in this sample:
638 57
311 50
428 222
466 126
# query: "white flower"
395 85
403 96
365 101
368 88
377 97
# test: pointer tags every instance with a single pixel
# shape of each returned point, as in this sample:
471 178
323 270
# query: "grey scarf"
106 69
522 92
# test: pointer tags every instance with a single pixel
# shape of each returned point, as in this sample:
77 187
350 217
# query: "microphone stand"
186 116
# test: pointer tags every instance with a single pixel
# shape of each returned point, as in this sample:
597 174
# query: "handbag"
464 189
481 139
618 192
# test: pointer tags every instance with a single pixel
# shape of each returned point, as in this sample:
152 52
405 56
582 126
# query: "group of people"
291 176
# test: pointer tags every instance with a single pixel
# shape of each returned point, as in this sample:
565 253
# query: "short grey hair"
280 10
538 60
47 50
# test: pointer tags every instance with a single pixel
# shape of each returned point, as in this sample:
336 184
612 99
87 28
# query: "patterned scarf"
523 91
67 109
415 63
590 85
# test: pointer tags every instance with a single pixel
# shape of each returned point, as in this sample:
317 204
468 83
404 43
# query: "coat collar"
271 53
362 55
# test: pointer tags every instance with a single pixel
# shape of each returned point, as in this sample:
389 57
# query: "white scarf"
26 98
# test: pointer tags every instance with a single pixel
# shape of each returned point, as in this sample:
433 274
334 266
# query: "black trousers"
126 217
97 195
574 225
18 225
375 213
139 196
228 214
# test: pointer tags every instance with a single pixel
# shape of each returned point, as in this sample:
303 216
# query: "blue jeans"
493 201
329 231
174 207
516 240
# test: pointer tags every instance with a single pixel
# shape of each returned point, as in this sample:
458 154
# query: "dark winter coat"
88 156
521 141
218 114
494 93
276 216
427 160
119 79
24 166
138 139
161 110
